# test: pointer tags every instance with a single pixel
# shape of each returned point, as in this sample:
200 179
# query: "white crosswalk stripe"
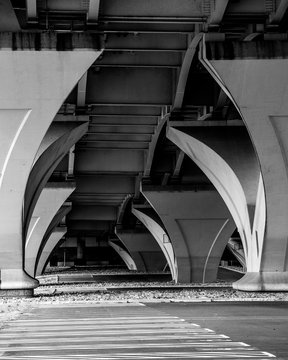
116 333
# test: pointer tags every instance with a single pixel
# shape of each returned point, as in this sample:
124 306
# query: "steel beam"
178 165
32 14
215 123
93 11
81 91
71 160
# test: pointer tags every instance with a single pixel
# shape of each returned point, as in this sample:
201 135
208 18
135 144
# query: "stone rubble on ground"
95 292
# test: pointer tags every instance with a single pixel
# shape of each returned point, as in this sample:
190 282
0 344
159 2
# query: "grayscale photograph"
143 179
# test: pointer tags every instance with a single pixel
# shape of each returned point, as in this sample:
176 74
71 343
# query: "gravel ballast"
53 293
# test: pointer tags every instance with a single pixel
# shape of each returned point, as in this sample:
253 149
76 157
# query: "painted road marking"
139 333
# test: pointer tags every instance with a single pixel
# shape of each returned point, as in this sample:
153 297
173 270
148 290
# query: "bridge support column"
124 254
51 243
34 85
57 142
199 226
143 249
51 199
228 159
258 86
152 222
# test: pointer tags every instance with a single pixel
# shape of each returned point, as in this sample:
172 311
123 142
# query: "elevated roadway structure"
176 107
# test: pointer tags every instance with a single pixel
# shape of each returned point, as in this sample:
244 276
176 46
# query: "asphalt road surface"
152 331
261 324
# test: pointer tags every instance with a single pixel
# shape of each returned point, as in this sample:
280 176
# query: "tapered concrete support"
258 86
56 143
62 133
160 235
135 255
199 226
125 256
228 159
143 249
50 201
59 217
51 243
34 84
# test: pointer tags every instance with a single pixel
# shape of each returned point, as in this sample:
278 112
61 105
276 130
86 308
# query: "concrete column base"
263 281
17 279
27 293
184 270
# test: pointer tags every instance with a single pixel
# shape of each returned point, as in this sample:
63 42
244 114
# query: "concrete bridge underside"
163 122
